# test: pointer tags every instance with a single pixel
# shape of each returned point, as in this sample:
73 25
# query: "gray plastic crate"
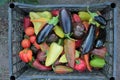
22 71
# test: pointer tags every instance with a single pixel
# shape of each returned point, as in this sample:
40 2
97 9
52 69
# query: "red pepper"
76 18
36 64
80 65
78 43
86 58
69 49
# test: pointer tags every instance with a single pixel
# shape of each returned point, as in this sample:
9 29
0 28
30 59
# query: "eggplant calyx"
92 21
68 36
30 63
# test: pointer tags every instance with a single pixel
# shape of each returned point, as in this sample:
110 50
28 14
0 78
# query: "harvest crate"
22 71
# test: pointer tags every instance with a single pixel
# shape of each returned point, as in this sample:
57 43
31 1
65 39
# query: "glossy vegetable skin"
60 69
53 53
78 27
69 49
36 64
26 55
80 65
65 21
99 42
88 42
42 35
101 20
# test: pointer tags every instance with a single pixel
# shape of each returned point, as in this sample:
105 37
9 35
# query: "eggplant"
52 38
78 30
88 42
65 21
42 35
101 38
101 20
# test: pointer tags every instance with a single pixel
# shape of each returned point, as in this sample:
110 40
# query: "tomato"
26 55
55 12
80 65
25 43
36 45
32 39
29 31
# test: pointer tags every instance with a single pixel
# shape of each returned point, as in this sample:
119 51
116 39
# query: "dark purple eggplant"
101 20
52 38
88 42
101 38
78 27
42 35
78 30
65 21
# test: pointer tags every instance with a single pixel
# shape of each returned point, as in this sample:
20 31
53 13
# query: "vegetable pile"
64 41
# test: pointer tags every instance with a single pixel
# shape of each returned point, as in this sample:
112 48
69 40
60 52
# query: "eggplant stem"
68 36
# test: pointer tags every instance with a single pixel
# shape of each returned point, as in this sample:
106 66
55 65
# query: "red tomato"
25 55
80 65
76 18
29 31
32 39
25 43
55 12
36 45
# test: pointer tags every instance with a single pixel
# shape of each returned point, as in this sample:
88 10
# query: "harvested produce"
41 56
36 64
84 16
69 49
88 43
63 58
60 69
26 55
101 52
78 27
86 59
97 62
32 39
42 35
29 31
52 38
58 31
53 53
55 12
27 22
66 22
25 43
80 65
64 41
101 38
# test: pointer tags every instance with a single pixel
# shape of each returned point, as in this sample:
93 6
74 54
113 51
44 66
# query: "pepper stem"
60 41
30 63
